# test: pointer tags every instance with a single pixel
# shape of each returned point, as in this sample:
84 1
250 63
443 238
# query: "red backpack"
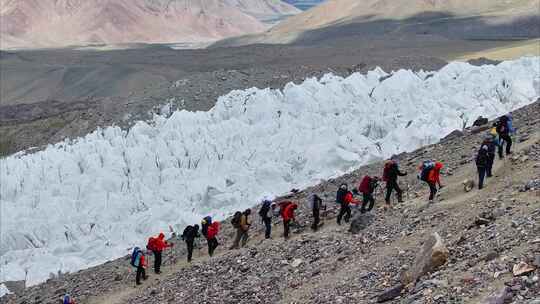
151 244
365 185
387 166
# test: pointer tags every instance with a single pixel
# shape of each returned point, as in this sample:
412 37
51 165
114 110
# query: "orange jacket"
434 176
160 243
349 199
142 260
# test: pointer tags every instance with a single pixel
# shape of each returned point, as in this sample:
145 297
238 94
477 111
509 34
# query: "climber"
138 260
367 188
157 245
390 176
211 237
491 142
504 129
482 161
315 204
189 235
430 173
266 216
241 223
344 198
287 214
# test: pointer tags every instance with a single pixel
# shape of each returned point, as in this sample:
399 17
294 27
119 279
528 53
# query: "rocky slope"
51 23
491 237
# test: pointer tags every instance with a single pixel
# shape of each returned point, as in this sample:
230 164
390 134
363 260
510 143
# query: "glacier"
82 202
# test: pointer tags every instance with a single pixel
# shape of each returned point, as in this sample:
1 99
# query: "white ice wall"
80 203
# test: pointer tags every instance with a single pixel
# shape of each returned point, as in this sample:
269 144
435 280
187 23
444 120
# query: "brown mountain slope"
57 23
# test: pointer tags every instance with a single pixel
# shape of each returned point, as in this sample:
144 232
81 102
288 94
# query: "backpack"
67 299
136 257
502 125
151 245
425 168
208 220
235 221
386 171
482 158
263 212
365 185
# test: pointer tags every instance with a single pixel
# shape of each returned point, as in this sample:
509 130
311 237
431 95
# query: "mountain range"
58 23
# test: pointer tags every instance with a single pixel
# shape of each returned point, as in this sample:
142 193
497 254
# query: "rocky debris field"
476 247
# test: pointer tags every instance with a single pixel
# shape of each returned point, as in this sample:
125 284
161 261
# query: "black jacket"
393 173
190 233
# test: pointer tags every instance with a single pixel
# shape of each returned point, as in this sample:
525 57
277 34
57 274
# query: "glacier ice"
80 203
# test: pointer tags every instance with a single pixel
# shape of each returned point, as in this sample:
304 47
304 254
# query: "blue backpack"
67 299
425 169
136 257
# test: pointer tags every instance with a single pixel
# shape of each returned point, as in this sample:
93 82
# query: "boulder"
522 268
480 121
360 222
432 255
501 297
390 293
16 287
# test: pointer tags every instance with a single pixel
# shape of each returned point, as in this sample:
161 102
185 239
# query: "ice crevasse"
79 203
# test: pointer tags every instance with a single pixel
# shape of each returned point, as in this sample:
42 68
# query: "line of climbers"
428 172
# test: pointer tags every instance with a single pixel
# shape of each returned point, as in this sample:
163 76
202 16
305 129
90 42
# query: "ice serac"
80 203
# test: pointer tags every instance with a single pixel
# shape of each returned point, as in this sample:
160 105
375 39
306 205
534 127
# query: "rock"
478 129
360 222
296 263
480 121
118 277
432 255
522 268
453 134
390 293
16 287
502 297
468 185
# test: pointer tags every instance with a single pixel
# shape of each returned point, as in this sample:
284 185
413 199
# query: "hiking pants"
141 273
367 198
489 167
212 245
189 244
316 219
286 228
241 236
481 176
157 261
505 139
432 190
345 210
267 227
393 185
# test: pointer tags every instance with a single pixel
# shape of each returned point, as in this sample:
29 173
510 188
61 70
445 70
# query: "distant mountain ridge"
57 23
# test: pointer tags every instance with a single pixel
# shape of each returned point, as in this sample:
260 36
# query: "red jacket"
142 260
160 244
434 175
213 230
288 212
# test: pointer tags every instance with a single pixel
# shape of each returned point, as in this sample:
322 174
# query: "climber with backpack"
490 141
344 198
189 235
157 245
205 223
241 223
390 176
266 216
138 261
287 209
430 173
315 204
482 162
211 237
504 127
367 188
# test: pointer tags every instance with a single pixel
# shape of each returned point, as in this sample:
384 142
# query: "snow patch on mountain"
80 203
